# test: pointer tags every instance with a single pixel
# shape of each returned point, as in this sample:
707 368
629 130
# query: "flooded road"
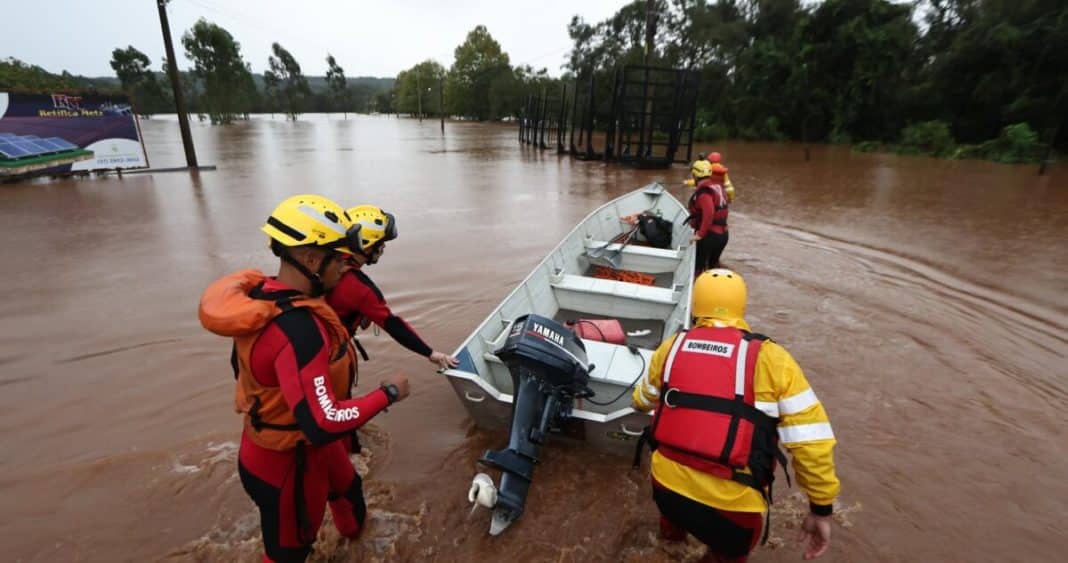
927 301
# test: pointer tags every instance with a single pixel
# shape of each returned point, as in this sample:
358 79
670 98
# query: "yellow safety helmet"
701 169
309 220
371 226
719 294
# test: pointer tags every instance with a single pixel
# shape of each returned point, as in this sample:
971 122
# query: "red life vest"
719 216
706 418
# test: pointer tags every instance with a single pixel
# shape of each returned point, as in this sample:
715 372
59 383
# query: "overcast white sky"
368 38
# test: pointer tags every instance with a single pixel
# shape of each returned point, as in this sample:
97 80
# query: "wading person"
708 217
719 175
357 299
725 398
293 364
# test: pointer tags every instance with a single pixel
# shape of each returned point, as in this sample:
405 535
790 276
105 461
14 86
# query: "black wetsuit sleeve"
405 335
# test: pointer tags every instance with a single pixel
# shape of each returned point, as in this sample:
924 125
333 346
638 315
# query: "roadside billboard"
60 133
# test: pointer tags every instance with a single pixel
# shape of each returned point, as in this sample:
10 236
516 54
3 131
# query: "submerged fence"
639 115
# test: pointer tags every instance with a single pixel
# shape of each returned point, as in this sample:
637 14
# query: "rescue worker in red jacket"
293 365
708 217
719 175
725 398
357 299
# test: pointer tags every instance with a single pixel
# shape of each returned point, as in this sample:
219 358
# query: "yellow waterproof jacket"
780 390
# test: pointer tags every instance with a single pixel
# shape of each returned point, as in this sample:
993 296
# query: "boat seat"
587 284
640 258
613 298
615 364
612 363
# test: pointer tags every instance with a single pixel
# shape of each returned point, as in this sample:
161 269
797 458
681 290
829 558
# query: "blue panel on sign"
42 147
11 151
27 146
62 143
52 145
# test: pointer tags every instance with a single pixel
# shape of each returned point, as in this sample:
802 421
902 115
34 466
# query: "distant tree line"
222 86
918 76
980 78
480 84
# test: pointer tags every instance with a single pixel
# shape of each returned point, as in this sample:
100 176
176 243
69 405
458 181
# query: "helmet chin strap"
316 278
370 256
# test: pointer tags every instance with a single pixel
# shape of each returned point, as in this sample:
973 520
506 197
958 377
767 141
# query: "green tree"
292 86
995 63
479 62
17 75
138 80
272 91
228 90
339 89
190 88
383 102
417 89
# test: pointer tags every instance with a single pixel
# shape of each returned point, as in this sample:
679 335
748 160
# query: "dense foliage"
922 75
945 77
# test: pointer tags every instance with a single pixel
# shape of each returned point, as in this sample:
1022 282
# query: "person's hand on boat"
816 532
401 382
695 238
443 360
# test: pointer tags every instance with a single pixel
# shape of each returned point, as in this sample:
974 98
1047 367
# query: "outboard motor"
549 370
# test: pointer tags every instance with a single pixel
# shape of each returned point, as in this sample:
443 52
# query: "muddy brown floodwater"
927 301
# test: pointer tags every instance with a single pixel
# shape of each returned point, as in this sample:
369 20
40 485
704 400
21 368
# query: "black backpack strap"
258 424
781 458
642 441
233 360
645 439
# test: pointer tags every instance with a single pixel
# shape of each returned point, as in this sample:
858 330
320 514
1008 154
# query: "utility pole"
1048 156
419 94
176 85
645 148
441 101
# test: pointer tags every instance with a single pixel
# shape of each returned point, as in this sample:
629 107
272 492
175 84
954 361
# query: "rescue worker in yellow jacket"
747 395
719 173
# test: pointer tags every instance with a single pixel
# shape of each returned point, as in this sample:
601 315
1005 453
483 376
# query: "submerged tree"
340 94
228 90
292 86
138 81
479 62
417 89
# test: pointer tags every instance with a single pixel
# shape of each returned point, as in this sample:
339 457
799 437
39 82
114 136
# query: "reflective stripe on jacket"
780 390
